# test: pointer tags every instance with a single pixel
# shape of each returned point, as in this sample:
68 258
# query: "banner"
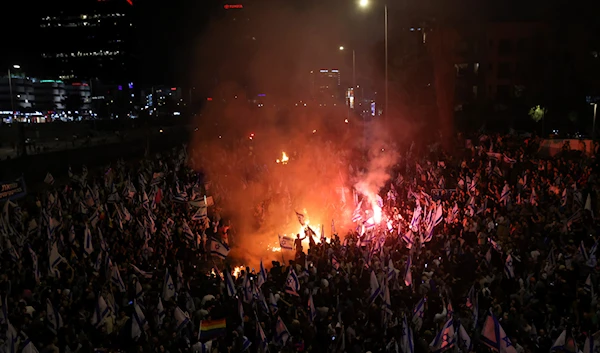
441 194
12 190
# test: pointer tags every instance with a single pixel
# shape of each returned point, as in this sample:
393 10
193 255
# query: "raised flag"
210 329
281 332
418 314
445 339
406 340
87 241
181 319
168 286
218 249
262 275
292 284
55 321
565 343
494 337
138 322
100 313
375 288
286 242
311 308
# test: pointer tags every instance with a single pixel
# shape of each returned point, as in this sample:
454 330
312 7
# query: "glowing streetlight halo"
363 3
341 47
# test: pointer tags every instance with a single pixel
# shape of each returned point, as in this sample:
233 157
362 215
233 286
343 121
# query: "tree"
537 113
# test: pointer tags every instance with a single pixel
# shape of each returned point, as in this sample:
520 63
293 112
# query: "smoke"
236 142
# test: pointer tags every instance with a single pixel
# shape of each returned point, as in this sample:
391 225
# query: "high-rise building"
325 85
85 39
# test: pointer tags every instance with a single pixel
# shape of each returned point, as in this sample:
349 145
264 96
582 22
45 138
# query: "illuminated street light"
16 66
341 48
364 4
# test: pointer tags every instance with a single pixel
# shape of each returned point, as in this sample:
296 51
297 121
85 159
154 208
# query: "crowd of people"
486 246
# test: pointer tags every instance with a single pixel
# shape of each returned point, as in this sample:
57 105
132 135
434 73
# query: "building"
326 86
35 100
502 63
86 39
163 101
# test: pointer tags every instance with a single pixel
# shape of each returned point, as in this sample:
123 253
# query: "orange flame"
284 158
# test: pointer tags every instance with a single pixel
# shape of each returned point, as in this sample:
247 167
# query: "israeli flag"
509 269
181 318
55 321
218 249
231 290
160 312
116 278
406 341
311 308
292 284
262 275
281 332
138 321
286 242
100 313
168 286
407 272
375 288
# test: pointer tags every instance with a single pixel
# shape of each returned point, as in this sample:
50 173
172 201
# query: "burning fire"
237 271
275 247
284 158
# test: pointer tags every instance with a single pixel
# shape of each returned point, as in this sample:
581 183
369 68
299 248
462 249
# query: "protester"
489 247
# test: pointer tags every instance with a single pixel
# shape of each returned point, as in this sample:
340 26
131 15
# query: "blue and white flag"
406 340
160 309
464 341
138 321
505 195
312 312
55 321
375 288
245 344
292 284
116 279
445 339
181 319
187 232
262 275
273 303
419 314
591 343
494 337
231 290
286 242
218 249
509 269
281 332
565 343
100 313
27 345
168 286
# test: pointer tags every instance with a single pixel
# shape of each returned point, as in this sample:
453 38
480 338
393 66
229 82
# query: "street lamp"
594 122
364 4
353 68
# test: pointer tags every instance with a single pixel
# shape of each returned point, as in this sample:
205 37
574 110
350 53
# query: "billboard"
12 190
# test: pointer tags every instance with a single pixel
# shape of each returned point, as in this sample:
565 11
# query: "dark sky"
185 41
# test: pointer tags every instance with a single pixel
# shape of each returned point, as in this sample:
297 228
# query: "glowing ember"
284 158
237 271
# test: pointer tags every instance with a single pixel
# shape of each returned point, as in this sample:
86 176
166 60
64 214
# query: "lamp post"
353 69
364 4
594 121
12 99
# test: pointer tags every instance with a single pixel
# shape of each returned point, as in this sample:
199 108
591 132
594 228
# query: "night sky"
184 41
